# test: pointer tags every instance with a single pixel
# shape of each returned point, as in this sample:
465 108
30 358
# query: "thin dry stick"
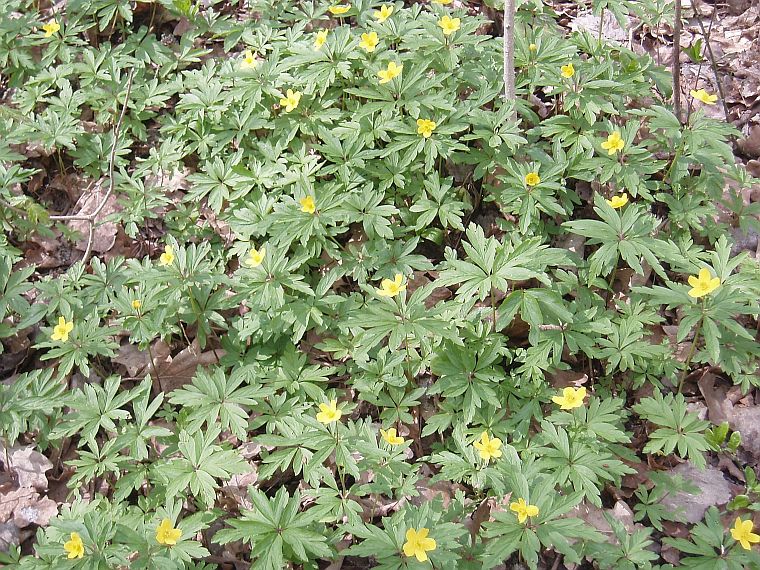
90 218
676 63
509 50
713 61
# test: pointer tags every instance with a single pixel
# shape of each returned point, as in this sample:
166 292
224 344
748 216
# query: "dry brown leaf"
25 506
137 362
30 467
181 369
104 235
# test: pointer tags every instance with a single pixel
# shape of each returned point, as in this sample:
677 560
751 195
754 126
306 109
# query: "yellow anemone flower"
523 510
618 201
393 71
570 398
307 205
369 41
51 28
62 329
613 143
704 96
488 447
167 257
391 437
449 25
418 544
532 179
383 13
329 413
291 100
74 547
248 61
703 284
742 533
390 288
255 257
567 71
425 127
320 39
166 534
339 9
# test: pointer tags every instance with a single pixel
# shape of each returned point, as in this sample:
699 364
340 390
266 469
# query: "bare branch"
90 218
509 50
676 63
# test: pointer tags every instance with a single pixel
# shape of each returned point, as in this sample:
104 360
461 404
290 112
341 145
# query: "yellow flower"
613 143
444 2
321 38
487 447
532 47
704 284
51 28
166 534
567 70
425 127
523 509
74 547
391 437
393 71
307 205
618 201
249 60
570 398
62 329
255 257
383 13
390 288
291 100
532 178
369 41
167 257
339 9
329 413
742 533
418 544
704 96
136 304
449 25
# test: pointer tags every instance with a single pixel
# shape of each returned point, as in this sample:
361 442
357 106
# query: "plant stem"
493 311
338 466
692 349
612 282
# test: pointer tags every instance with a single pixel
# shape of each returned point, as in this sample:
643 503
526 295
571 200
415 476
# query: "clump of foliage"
381 269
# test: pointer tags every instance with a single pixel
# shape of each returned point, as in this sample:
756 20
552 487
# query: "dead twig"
676 63
90 218
713 62
509 51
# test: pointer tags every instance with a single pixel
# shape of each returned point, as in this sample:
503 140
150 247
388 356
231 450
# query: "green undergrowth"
418 325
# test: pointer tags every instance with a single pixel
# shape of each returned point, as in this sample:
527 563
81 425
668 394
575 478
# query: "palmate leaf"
201 464
549 529
277 531
403 322
626 235
492 265
213 397
680 430
576 463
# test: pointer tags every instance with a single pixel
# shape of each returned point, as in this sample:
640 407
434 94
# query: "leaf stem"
692 349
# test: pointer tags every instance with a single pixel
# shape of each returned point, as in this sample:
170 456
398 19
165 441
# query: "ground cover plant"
297 285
